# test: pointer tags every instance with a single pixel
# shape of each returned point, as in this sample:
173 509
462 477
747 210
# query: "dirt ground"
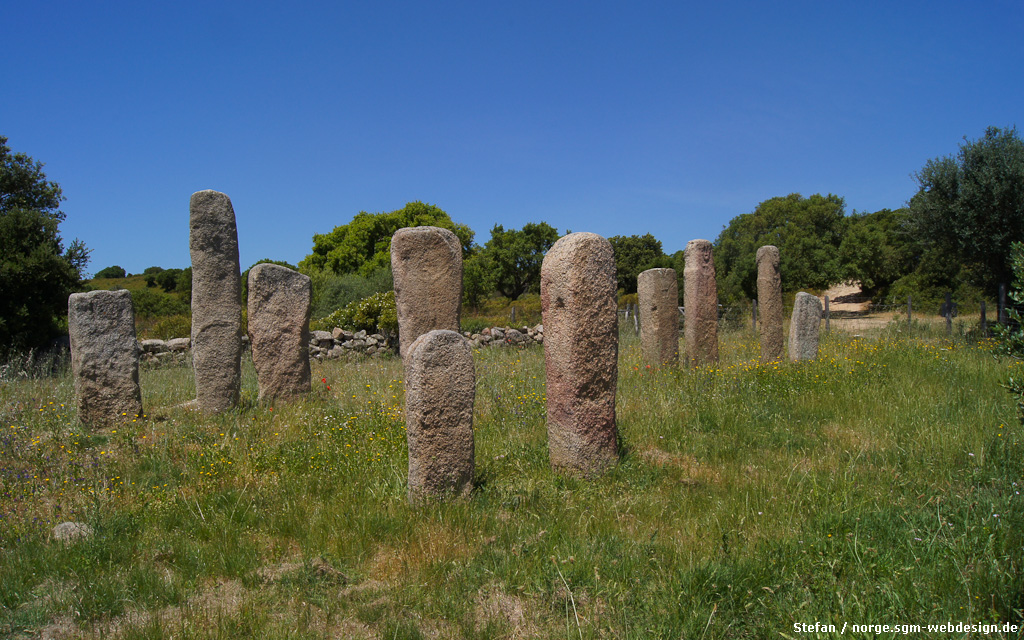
850 309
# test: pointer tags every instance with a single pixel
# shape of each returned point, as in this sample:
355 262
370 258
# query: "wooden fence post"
984 321
910 313
827 316
1002 303
753 314
949 313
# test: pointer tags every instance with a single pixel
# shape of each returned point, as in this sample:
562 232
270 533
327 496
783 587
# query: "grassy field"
876 485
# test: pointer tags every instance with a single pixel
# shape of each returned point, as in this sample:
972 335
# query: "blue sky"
619 118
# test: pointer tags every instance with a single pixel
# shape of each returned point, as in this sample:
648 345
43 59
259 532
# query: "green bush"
111 272
179 326
150 302
373 313
1011 336
332 292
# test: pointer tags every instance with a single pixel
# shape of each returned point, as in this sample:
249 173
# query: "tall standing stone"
577 293
700 302
769 302
279 307
439 390
216 301
104 357
803 327
426 263
658 296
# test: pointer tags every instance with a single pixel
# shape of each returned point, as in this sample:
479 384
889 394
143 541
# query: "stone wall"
336 344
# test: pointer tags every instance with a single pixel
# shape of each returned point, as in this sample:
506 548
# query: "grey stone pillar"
427 266
769 296
104 357
279 308
439 391
658 295
804 327
216 302
700 299
577 291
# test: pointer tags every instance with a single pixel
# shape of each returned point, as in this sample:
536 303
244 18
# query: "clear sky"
619 118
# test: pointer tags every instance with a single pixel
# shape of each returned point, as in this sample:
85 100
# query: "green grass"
876 485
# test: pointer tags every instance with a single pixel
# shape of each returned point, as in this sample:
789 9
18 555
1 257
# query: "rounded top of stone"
274 271
698 243
101 293
766 251
572 241
438 339
412 237
660 271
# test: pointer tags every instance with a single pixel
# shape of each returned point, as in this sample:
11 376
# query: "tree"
877 250
364 245
807 231
634 254
36 273
971 207
111 272
514 257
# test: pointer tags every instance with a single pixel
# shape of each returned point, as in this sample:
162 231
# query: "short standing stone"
658 295
104 357
769 304
700 301
803 327
71 532
577 292
439 389
279 300
427 266
216 301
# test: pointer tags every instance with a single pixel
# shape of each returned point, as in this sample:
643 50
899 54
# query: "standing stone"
104 357
439 390
577 294
769 301
426 263
216 302
700 299
279 300
803 327
658 295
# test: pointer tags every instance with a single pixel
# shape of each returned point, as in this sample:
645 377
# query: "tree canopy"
807 231
971 206
36 273
364 245
634 254
514 257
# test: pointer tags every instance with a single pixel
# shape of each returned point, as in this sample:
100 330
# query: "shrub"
373 313
178 326
111 272
332 292
1011 336
149 302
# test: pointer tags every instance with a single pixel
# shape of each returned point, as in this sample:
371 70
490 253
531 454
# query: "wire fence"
855 314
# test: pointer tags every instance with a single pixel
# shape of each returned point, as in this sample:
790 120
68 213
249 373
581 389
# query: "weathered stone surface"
154 346
104 357
70 532
427 266
178 344
769 304
658 295
279 300
803 327
439 389
216 302
577 290
700 301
